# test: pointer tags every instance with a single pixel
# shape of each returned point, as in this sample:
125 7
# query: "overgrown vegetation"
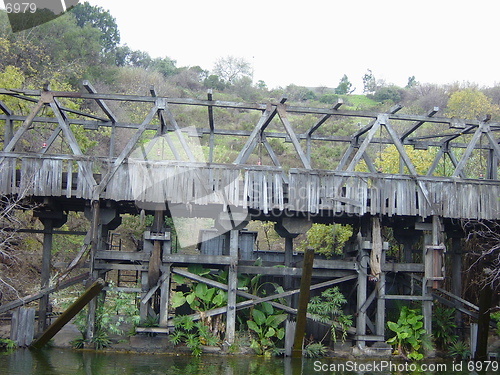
265 323
193 334
326 239
443 327
410 338
7 344
116 311
327 309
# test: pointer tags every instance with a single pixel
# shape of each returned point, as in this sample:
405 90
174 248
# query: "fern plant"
193 334
327 309
443 327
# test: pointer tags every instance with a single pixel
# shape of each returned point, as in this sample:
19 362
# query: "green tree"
100 19
411 82
164 65
344 87
369 82
471 104
388 160
326 239
213 81
392 93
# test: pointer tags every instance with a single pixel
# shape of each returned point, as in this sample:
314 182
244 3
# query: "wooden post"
45 276
361 296
288 280
93 274
8 131
155 260
232 287
70 312
23 326
428 255
165 287
483 321
305 285
456 277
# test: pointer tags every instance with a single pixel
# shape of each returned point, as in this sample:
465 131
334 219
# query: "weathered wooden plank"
200 259
132 256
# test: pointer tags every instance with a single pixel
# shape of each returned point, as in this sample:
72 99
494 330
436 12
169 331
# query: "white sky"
316 42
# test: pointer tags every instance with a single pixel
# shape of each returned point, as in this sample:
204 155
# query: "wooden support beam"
468 151
69 314
232 286
127 150
94 243
253 138
88 86
325 117
72 142
270 151
5 109
45 274
179 134
33 297
22 129
305 285
211 124
381 119
288 127
418 124
404 156
164 296
493 142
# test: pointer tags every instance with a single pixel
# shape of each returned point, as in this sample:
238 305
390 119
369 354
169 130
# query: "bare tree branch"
485 237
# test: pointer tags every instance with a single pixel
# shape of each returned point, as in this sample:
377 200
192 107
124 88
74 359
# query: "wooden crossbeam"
468 151
5 109
382 118
252 140
22 129
418 124
178 132
127 150
88 86
288 127
253 299
33 297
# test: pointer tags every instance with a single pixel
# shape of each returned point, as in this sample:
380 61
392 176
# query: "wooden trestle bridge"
151 166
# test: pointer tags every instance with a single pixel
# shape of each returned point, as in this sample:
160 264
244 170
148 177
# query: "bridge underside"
155 169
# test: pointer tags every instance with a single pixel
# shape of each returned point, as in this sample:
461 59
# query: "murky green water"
72 362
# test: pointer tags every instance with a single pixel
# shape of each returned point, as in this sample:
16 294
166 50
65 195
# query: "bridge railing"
259 188
32 175
368 193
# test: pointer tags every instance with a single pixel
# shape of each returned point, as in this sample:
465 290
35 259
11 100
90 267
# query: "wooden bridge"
153 165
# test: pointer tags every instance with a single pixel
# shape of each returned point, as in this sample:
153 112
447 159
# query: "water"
74 362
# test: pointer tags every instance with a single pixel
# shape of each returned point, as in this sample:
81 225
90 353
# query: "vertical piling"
232 287
45 274
305 285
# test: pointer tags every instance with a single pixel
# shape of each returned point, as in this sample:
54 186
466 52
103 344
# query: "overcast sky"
316 42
